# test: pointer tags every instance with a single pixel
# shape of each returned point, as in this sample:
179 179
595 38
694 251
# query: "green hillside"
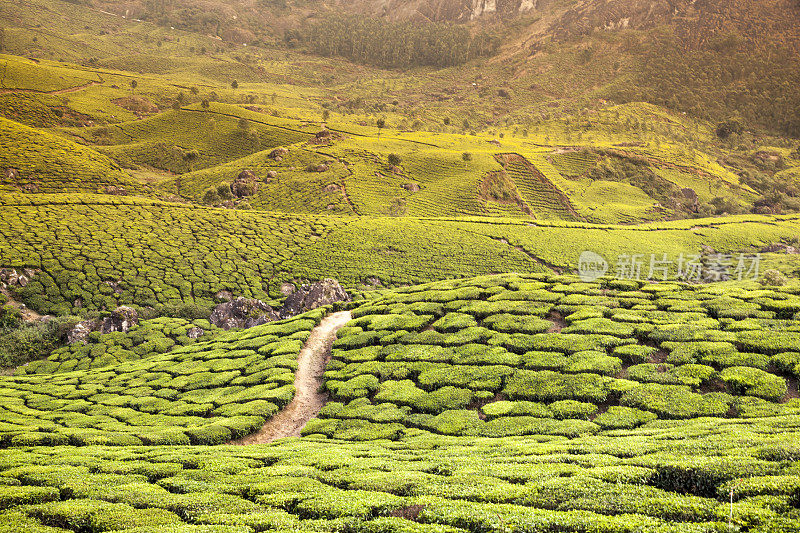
108 251
567 230
497 403
46 163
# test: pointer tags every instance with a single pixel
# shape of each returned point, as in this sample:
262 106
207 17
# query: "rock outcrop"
245 184
242 313
278 153
122 319
80 331
11 277
308 297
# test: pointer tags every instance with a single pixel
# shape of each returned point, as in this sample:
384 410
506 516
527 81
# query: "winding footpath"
308 398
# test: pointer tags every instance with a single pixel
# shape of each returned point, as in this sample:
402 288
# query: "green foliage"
219 388
28 342
396 45
754 382
619 417
675 401
149 337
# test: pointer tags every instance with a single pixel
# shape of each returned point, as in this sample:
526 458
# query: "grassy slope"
682 152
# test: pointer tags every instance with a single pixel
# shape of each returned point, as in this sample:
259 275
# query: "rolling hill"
567 231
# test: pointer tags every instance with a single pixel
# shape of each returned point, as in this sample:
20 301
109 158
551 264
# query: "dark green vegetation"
564 422
393 45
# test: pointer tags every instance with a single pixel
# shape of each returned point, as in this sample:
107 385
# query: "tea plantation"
95 251
502 403
509 355
203 393
46 163
172 155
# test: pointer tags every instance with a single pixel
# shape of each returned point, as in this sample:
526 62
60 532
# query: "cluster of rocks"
122 319
240 313
11 174
317 167
11 277
278 154
248 312
245 184
780 248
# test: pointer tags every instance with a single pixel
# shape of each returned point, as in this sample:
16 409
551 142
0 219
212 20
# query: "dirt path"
308 399
59 91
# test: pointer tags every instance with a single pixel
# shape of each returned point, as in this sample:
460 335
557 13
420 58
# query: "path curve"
308 398
57 91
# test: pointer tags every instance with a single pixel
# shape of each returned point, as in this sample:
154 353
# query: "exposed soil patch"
716 385
602 408
623 372
793 389
558 322
308 399
658 357
28 315
411 512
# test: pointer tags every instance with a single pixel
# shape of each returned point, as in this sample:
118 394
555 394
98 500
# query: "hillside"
36 161
149 253
659 398
189 113
399 266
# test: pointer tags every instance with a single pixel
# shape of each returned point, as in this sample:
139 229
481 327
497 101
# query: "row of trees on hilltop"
397 44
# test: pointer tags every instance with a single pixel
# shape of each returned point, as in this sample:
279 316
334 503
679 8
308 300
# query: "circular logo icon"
591 266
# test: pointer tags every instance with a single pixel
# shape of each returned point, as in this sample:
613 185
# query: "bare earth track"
308 399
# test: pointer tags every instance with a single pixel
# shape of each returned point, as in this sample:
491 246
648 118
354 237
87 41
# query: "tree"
394 159
325 115
380 123
234 85
134 84
205 104
210 196
466 157
179 101
190 156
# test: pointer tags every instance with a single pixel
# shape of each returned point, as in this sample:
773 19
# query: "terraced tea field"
491 404
103 251
572 298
